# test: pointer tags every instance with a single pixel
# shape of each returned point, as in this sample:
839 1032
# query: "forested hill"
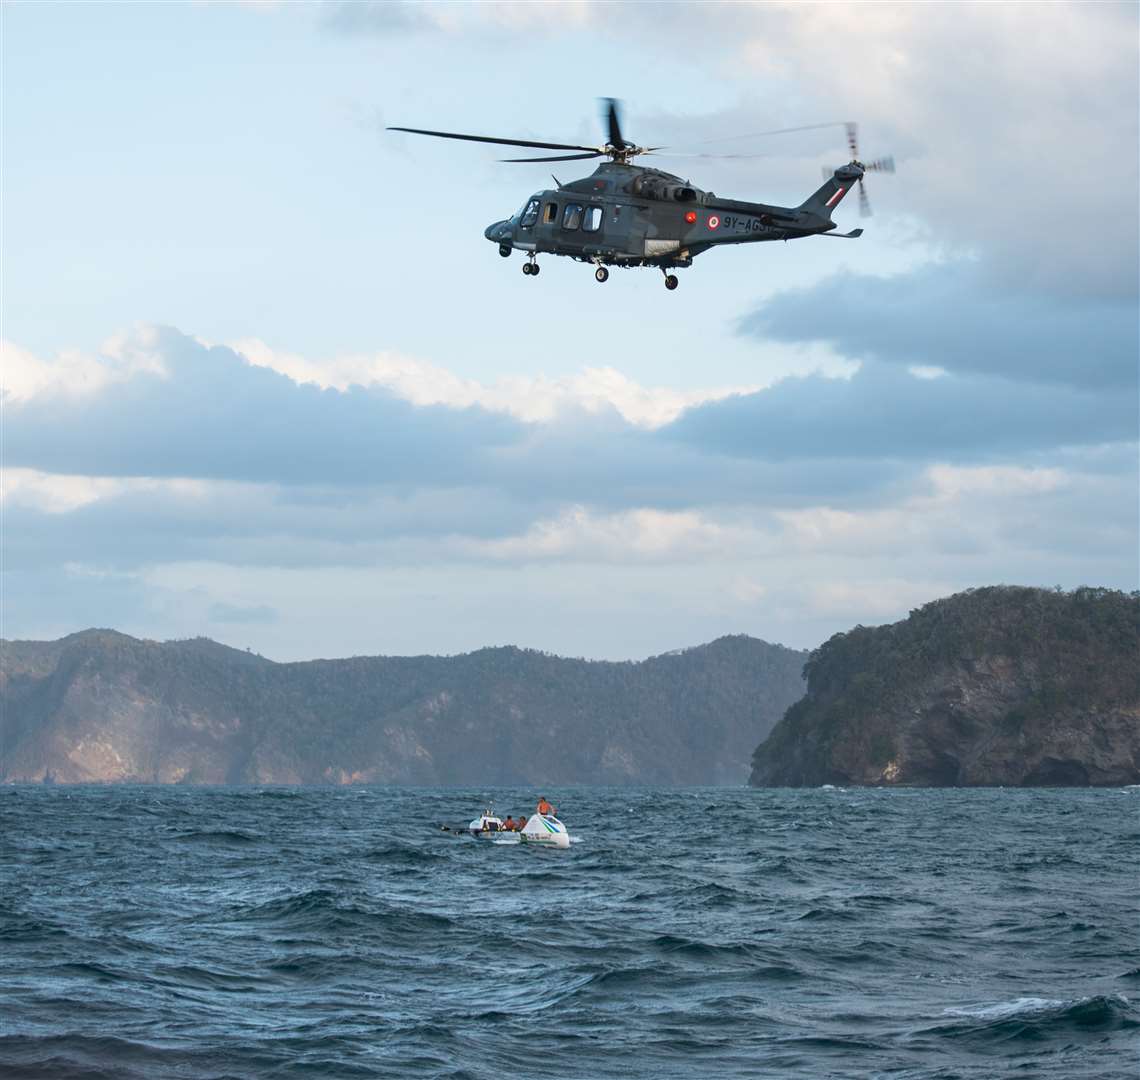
102 706
996 686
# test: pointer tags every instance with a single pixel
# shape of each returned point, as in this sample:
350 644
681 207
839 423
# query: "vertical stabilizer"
837 186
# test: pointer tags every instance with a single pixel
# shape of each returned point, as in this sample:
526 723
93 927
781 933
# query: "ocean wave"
218 837
196 977
28 929
398 853
71 1057
826 914
317 910
1033 1017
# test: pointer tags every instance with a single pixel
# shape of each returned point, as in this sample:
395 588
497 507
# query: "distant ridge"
999 686
100 706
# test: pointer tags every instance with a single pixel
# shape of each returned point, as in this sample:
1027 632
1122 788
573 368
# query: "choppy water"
173 932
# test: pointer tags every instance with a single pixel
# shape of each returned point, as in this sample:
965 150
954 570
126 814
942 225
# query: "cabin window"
530 214
571 216
593 219
550 214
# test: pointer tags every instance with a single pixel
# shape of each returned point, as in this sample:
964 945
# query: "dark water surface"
180 932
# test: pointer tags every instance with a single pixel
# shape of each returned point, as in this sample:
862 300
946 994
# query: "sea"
158 932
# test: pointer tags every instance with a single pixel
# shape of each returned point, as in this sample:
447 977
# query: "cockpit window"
593 219
530 214
572 216
550 214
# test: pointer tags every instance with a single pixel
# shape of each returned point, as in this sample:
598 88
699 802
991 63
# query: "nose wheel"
671 282
505 250
601 274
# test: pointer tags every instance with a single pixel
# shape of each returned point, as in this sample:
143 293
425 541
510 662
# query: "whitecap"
1028 1006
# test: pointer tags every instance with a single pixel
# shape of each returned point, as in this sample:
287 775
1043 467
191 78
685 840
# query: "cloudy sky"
265 380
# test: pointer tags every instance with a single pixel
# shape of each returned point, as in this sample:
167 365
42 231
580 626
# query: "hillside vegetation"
994 686
102 706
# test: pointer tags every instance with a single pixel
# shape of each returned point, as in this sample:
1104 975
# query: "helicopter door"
525 236
626 229
570 236
546 231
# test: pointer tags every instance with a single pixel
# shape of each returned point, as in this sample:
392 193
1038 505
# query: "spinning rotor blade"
883 164
499 142
560 157
776 131
613 125
664 151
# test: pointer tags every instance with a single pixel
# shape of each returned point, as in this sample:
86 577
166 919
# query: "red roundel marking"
714 222
691 216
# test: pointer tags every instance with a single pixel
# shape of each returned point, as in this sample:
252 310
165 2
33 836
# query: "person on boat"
521 823
544 808
509 824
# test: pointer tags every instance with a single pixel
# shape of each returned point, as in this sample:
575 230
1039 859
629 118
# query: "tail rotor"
883 164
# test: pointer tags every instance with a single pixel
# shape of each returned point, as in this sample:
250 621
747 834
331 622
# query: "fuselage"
634 216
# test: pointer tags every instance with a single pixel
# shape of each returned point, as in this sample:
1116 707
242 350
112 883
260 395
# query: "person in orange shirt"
544 808
509 824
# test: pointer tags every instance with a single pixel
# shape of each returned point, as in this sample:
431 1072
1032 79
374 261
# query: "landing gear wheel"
671 282
601 274
505 250
534 269
528 268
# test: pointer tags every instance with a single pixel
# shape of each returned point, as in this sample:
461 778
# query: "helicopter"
626 215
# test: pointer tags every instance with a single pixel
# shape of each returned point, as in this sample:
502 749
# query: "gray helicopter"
629 215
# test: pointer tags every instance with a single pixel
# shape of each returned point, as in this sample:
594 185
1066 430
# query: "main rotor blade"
776 131
499 142
667 153
559 157
613 123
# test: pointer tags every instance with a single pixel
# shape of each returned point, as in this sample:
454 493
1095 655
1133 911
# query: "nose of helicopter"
497 231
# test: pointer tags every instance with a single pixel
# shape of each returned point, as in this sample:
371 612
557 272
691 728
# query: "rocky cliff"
101 706
995 686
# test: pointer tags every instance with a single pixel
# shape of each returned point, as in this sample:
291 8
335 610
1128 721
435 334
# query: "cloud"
531 399
381 18
74 374
203 491
947 316
384 18
209 414
884 412
637 535
1015 128
617 584
197 413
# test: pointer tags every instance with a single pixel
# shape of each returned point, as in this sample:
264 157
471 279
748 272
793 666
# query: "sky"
264 379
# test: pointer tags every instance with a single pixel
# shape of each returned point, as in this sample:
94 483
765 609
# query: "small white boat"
542 829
